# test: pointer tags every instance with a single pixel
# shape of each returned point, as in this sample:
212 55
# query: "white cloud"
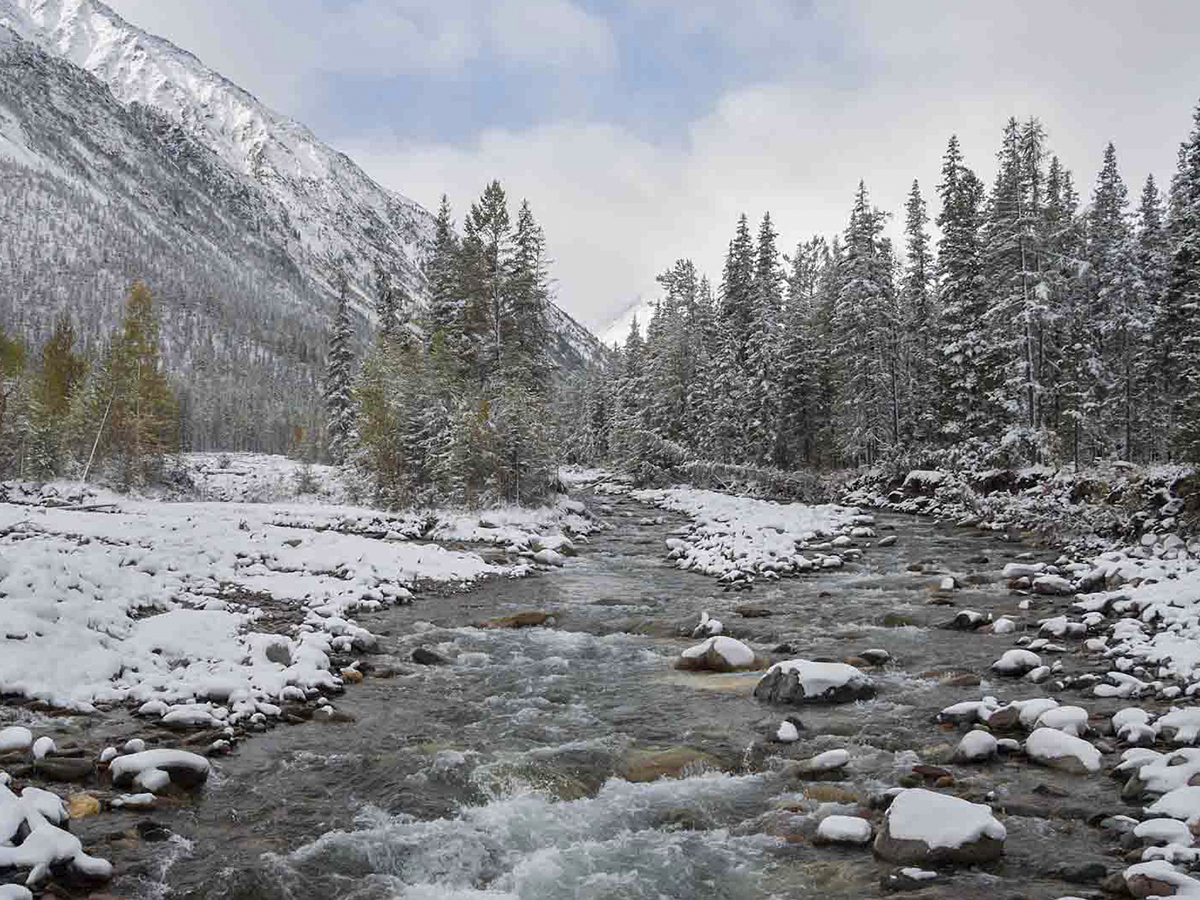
866 90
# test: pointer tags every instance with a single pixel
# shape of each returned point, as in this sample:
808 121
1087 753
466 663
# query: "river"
496 776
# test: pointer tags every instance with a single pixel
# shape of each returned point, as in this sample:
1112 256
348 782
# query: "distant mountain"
124 156
618 329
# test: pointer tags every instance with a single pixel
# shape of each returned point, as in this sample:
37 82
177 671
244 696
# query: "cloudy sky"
640 130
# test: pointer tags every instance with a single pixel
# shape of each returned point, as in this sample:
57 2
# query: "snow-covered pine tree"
1016 311
1152 266
524 330
487 251
863 414
962 339
339 376
801 356
1122 321
919 320
1180 316
737 287
762 351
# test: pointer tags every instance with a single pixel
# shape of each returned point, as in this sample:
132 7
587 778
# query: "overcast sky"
640 130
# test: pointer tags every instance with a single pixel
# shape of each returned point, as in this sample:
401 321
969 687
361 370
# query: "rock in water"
423 656
843 830
719 654
1059 750
976 746
1016 663
801 681
824 767
924 827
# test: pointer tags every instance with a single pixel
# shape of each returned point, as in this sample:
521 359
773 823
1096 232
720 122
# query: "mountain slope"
320 206
123 156
311 200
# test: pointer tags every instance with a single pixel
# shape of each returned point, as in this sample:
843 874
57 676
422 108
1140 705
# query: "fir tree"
919 318
339 377
1180 314
962 337
762 339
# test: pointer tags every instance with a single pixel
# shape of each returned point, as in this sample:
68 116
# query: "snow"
149 769
1181 803
43 747
845 830
1072 720
787 733
829 760
818 678
1047 744
939 820
46 844
733 535
732 651
1016 662
159 601
1165 831
975 746
1159 870
15 737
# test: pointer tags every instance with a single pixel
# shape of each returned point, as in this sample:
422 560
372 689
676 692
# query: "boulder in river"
423 656
826 766
530 619
1016 662
924 827
641 766
1059 750
719 654
800 681
976 746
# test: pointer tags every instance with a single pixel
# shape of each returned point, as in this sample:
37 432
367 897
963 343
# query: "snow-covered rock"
844 830
719 654
1059 750
1016 662
923 827
976 746
801 681
1072 720
180 767
14 738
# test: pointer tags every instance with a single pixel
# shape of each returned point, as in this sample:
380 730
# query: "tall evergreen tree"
919 318
1180 314
339 377
962 336
762 350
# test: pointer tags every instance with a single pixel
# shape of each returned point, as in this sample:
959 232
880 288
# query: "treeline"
1038 329
63 414
453 401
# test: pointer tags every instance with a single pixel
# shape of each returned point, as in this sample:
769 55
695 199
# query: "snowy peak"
312 186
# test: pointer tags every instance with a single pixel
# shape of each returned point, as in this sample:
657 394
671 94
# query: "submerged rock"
640 766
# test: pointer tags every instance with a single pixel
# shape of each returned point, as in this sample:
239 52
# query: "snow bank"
160 600
733 536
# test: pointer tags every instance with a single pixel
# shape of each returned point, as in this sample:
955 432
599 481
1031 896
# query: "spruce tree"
1121 321
919 318
339 377
962 337
525 333
762 350
1152 265
1180 314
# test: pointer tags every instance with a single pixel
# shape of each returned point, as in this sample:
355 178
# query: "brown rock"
965 679
531 619
80 806
1141 885
352 676
753 612
640 766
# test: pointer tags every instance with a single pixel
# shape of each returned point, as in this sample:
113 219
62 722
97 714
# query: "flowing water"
496 776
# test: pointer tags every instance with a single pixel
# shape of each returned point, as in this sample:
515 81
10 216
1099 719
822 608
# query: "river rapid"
500 774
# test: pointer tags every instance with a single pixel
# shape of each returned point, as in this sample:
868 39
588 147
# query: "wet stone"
423 656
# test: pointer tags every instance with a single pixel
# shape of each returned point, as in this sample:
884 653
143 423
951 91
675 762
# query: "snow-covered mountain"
618 329
124 156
